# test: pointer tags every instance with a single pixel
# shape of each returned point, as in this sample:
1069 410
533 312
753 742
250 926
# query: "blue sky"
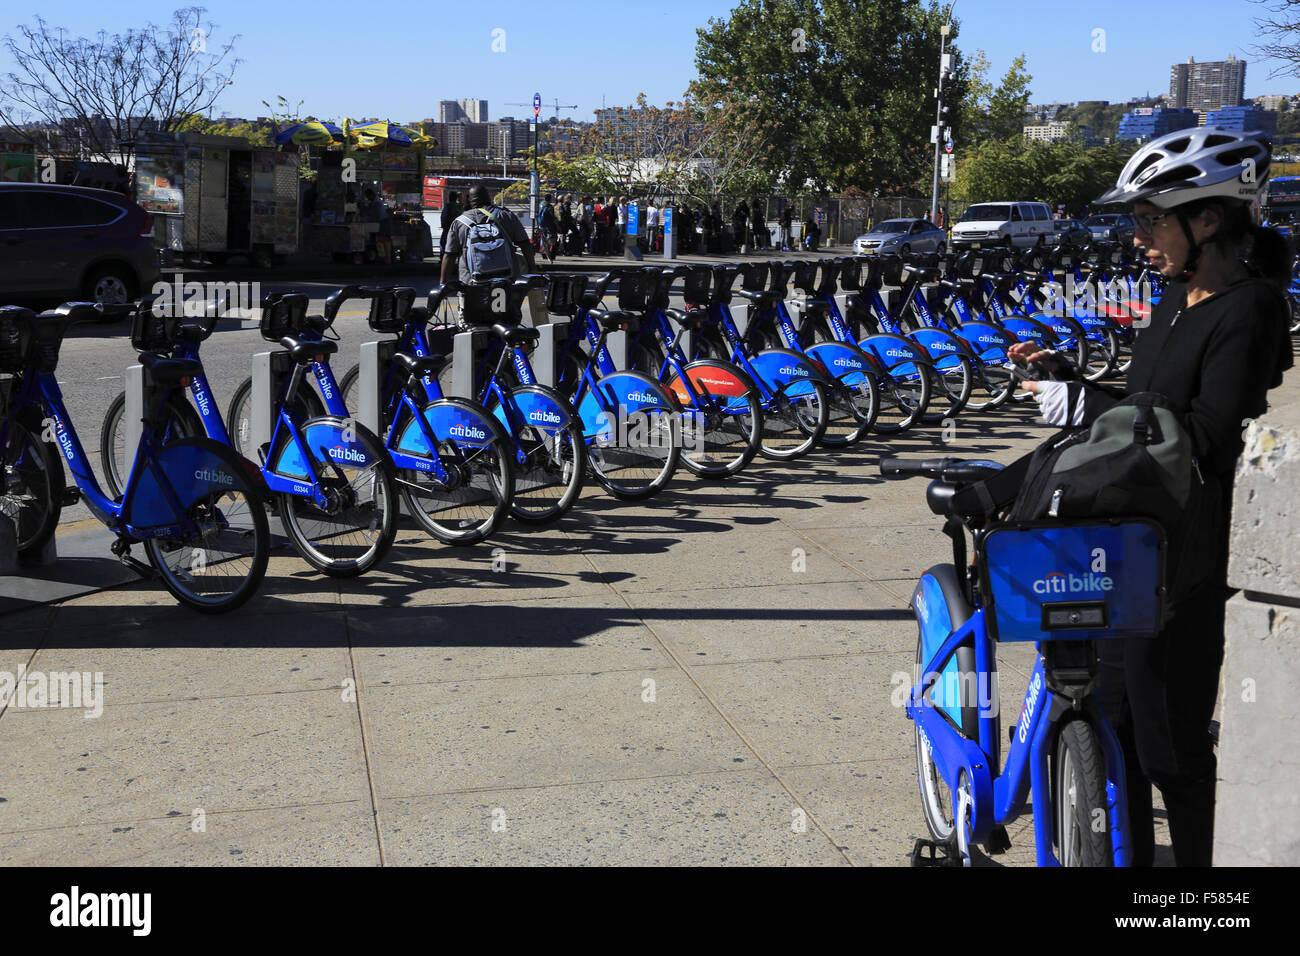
398 57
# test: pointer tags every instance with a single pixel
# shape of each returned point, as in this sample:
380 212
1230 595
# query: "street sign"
537 103
948 147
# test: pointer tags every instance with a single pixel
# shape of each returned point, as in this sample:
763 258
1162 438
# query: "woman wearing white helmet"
1216 342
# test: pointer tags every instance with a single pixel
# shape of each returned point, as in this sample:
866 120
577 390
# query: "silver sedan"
902 235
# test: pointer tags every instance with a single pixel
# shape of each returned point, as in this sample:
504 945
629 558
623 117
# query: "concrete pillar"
1257 816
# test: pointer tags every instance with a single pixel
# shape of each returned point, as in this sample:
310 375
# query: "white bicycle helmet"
1190 164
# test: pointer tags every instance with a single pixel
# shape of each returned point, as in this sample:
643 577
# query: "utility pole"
938 131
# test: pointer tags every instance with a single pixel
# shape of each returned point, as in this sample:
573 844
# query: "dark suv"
70 242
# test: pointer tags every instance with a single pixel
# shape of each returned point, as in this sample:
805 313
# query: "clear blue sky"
399 57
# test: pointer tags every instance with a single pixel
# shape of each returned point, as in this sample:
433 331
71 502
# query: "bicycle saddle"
687 321
816 307
613 320
763 298
420 366
515 335
169 371
304 353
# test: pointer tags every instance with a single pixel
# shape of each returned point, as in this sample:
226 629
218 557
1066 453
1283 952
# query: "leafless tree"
103 93
1279 32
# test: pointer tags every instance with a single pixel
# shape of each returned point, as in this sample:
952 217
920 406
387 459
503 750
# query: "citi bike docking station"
195 506
1063 584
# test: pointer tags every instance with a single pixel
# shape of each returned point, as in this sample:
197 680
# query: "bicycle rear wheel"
353 534
936 798
31 483
1103 354
1082 822
992 387
221 565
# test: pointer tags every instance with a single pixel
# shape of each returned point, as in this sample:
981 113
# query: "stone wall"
1258 813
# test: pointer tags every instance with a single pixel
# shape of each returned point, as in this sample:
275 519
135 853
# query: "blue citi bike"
1064 585
330 479
195 505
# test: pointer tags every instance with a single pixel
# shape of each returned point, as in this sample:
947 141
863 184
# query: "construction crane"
557 107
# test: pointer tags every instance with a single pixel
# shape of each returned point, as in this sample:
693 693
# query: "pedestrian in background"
651 224
784 223
450 210
739 224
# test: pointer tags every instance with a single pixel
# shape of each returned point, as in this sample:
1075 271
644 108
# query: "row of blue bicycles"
463 426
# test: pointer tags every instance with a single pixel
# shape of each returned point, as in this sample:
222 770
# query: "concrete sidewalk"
710 677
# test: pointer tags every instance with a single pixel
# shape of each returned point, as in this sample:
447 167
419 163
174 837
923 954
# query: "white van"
1005 224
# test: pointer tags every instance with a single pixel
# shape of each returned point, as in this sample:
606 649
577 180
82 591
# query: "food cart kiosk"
217 196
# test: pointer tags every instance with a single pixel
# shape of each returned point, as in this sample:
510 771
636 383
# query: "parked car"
902 235
1003 224
1111 227
71 242
1071 232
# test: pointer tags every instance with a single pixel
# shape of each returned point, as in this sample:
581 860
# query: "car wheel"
941 249
907 247
109 285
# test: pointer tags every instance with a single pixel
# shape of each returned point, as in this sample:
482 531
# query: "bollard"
537 316
465 350
270 369
545 358
132 416
630 248
616 344
376 357
740 314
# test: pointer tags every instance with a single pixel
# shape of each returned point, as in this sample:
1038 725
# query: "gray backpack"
488 253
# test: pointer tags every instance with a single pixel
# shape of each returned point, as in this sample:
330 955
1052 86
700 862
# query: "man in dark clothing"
739 222
450 210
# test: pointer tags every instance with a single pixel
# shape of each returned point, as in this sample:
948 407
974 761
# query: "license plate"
974 245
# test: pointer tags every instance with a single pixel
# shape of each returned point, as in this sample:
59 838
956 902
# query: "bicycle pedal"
70 497
932 853
998 841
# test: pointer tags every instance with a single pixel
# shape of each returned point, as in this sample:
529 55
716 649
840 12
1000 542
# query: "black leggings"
1160 695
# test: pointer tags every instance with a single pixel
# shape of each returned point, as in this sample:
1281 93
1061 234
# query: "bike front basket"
15 337
1075 580
389 309
283 314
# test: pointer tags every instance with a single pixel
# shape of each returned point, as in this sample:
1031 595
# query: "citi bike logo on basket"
179 299
1030 705
340 453
214 476
1058 583
467 431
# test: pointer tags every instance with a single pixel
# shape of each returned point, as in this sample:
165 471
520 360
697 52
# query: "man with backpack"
481 241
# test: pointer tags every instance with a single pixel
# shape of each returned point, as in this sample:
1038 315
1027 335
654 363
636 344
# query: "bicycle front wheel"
794 419
1103 354
992 388
221 564
953 379
473 500
352 533
936 798
1082 822
637 455
31 483
855 402
180 421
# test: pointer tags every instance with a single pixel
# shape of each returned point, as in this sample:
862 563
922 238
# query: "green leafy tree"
841 91
990 113
1061 173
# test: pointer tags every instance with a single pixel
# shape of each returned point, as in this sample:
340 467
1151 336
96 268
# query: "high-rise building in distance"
1207 86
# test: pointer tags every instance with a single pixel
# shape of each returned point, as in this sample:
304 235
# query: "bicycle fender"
1027 330
540 406
724 382
339 439
194 468
779 367
942 346
986 340
896 353
845 362
953 753
451 419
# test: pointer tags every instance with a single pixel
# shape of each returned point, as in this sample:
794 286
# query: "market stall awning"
311 133
372 135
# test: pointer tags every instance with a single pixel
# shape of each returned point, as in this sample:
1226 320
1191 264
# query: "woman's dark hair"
1262 249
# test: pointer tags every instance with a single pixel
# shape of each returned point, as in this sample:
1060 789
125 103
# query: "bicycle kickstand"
122 548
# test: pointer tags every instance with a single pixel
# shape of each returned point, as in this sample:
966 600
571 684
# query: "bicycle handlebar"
951 470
